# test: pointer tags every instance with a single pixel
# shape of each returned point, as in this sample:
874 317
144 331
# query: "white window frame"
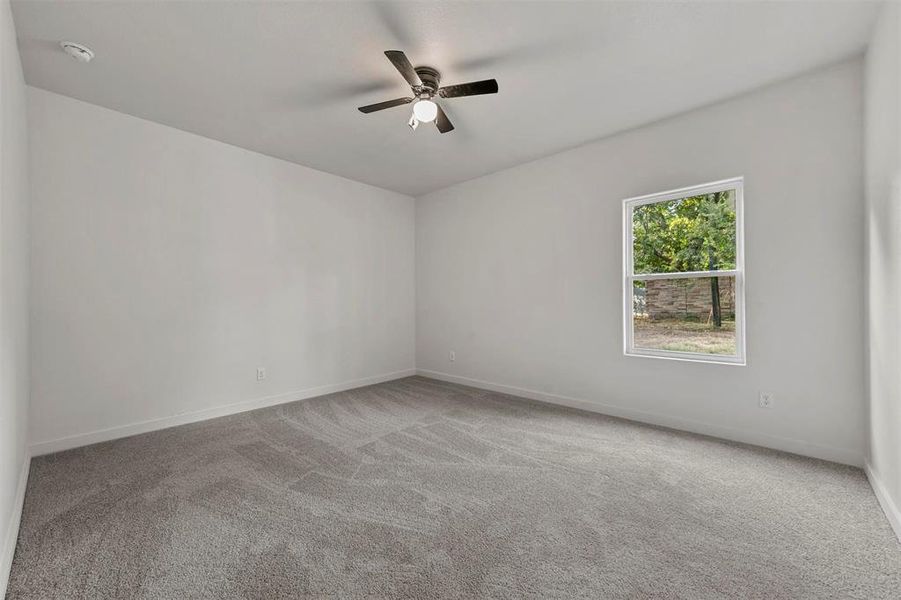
629 276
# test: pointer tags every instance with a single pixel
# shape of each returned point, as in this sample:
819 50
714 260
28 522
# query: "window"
684 274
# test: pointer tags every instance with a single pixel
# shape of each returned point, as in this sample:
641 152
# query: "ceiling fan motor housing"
430 80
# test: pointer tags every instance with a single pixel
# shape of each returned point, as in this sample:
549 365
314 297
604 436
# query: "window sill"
732 361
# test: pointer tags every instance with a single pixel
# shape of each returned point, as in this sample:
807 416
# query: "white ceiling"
285 78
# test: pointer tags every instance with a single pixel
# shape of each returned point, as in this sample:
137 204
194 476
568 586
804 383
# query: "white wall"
13 291
167 267
883 187
520 272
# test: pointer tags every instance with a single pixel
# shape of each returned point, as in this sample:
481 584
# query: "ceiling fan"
424 84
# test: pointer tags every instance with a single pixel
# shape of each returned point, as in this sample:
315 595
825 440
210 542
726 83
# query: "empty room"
538 299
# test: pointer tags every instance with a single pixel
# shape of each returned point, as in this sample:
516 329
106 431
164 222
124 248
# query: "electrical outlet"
452 356
766 400
261 373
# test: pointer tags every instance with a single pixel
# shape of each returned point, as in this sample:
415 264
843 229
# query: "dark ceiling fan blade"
475 88
443 123
402 64
383 105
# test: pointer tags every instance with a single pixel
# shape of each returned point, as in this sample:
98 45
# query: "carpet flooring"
423 489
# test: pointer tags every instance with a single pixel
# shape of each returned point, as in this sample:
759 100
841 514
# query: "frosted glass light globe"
425 111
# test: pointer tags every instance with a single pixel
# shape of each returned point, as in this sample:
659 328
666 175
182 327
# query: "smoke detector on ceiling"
77 51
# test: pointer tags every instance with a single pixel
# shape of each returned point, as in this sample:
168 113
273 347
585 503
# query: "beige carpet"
421 489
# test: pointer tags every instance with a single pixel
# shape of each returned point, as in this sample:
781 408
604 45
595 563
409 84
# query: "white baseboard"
834 454
12 532
891 510
112 433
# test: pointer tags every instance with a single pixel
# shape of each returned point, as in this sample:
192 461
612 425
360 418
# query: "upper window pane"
695 233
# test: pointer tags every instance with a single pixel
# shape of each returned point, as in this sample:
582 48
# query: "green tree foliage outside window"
696 233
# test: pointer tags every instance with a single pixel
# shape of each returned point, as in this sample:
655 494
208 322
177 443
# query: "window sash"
685 275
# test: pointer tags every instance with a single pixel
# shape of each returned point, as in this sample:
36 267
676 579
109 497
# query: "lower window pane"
685 315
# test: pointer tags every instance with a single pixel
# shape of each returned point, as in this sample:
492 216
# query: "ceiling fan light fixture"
425 111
